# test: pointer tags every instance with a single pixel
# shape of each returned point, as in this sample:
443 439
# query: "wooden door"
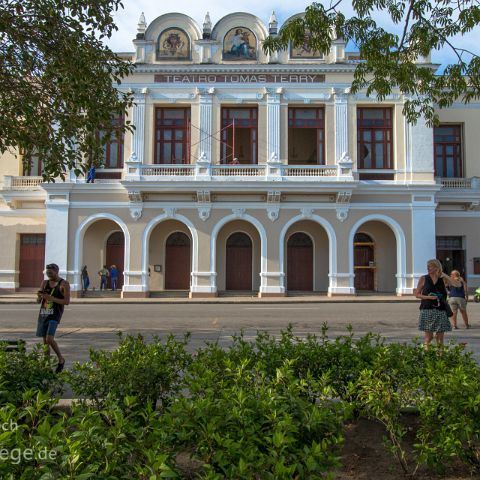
364 267
239 262
115 255
300 262
177 262
32 259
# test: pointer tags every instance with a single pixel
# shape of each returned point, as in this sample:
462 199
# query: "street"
95 325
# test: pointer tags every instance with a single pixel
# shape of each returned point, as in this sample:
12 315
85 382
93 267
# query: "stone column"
56 239
423 238
341 125
273 123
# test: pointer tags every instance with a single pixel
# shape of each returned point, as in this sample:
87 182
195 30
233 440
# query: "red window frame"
375 128
172 132
228 120
447 148
318 123
114 144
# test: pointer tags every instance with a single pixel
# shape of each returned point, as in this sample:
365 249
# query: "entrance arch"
239 256
177 262
115 248
390 251
300 262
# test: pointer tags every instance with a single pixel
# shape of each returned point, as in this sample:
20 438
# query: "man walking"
53 295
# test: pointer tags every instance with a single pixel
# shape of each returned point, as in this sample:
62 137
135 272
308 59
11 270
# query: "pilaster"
138 141
342 149
206 108
273 122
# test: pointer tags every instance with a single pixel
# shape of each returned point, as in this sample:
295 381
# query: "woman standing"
433 294
457 298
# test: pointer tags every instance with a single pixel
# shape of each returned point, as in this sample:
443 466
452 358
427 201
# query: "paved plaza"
87 325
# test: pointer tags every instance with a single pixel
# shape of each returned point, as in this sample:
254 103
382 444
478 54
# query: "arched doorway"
300 262
115 254
177 262
239 262
364 262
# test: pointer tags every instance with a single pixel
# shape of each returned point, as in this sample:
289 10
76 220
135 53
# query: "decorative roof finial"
273 24
207 27
141 26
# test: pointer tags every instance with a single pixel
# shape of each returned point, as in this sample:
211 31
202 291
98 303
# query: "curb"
94 301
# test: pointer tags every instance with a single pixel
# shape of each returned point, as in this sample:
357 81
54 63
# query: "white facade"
332 192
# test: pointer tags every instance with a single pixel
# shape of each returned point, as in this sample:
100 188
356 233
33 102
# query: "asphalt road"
95 325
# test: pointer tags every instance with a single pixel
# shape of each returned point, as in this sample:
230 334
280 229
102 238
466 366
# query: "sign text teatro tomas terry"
239 78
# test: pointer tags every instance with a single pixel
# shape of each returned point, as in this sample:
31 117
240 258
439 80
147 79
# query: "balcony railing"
459 183
264 172
21 183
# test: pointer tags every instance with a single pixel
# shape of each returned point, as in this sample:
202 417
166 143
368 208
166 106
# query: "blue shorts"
46 327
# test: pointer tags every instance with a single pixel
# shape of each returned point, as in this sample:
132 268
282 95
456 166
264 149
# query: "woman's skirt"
433 320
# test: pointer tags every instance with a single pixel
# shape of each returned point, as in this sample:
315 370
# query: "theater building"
253 173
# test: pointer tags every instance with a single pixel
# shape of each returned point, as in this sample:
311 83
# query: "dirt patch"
365 456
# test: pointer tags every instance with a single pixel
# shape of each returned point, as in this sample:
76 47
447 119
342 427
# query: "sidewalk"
29 298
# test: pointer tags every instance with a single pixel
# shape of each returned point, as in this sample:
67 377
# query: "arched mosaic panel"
239 43
304 50
173 44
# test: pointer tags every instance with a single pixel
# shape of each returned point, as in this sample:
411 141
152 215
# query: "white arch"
146 240
263 241
332 244
401 246
80 234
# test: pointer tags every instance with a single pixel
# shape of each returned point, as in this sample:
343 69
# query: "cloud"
127 20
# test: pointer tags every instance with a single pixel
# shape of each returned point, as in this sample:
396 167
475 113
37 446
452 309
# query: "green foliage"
449 410
21 371
271 408
149 371
114 442
56 80
248 423
443 385
392 61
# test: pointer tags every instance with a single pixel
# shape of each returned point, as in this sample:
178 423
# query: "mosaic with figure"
304 50
173 43
239 44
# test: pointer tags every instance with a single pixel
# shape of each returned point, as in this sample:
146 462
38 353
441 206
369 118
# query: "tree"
390 61
57 81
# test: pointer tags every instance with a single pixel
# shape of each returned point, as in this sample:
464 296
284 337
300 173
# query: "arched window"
361 237
300 239
178 239
239 239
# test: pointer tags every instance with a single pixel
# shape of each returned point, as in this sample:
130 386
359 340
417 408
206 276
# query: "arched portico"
260 230
400 250
332 248
149 228
115 223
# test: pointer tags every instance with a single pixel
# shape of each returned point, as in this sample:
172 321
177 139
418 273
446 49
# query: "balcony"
271 171
459 183
21 183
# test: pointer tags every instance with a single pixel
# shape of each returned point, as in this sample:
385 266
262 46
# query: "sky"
127 19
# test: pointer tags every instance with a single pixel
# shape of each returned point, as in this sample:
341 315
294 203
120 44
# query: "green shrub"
98 444
443 384
246 424
149 371
449 410
21 370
